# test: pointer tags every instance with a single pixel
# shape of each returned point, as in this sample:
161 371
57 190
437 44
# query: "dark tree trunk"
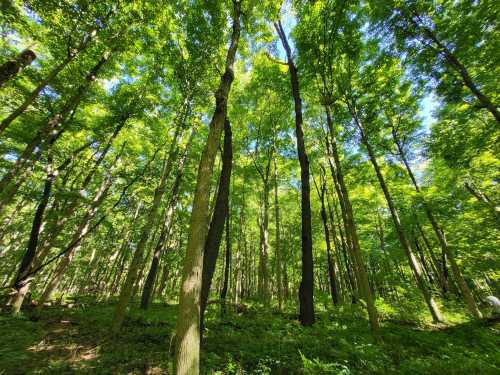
221 209
227 265
306 290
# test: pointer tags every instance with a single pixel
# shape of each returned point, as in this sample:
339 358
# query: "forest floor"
68 340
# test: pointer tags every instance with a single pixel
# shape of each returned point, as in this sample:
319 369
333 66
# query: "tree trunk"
221 211
458 66
405 244
277 246
45 137
47 80
187 354
469 299
306 291
165 232
227 265
150 223
351 231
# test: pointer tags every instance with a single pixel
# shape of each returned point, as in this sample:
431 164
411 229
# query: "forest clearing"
249 187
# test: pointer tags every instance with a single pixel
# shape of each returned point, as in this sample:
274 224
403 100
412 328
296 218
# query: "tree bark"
306 290
187 353
221 211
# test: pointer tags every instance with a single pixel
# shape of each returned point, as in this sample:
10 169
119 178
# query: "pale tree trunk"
187 353
306 290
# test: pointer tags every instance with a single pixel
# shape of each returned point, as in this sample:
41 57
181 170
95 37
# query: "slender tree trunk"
81 232
277 246
45 137
27 261
467 295
165 232
221 211
332 277
306 291
405 244
187 354
483 198
459 67
227 265
351 231
151 221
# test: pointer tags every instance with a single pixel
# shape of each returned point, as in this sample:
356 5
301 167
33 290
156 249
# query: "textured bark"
187 353
306 290
221 211
11 68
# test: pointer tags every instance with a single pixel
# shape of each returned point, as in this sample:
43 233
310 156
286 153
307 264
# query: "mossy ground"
76 340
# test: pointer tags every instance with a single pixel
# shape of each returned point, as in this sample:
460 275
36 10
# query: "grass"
258 341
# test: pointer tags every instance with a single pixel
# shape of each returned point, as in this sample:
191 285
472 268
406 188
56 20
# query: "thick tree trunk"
11 68
306 290
187 354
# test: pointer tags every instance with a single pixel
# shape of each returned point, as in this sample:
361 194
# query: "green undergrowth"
66 340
